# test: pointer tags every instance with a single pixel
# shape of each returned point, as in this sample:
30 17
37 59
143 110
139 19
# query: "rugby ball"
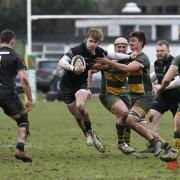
78 60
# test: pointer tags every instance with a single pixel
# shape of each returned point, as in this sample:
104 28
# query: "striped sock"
120 133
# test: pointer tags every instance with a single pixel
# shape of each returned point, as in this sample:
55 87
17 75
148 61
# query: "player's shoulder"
9 52
142 58
76 50
100 51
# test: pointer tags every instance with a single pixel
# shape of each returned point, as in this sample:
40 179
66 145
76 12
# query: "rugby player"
11 64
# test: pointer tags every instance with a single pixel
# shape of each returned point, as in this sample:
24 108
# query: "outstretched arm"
117 56
168 77
133 66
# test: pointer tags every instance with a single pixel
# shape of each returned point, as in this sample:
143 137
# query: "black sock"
120 132
88 125
176 135
152 141
127 135
20 146
166 145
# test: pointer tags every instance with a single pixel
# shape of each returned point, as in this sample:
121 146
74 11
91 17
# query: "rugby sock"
152 142
127 135
176 142
79 122
20 146
88 125
120 133
166 146
176 135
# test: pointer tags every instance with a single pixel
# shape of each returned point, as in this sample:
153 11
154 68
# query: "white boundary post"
29 28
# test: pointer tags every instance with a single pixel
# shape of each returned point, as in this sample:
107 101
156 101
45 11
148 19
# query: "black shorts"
11 106
68 94
162 103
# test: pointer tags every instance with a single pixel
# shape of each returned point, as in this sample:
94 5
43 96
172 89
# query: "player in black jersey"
73 84
10 65
168 99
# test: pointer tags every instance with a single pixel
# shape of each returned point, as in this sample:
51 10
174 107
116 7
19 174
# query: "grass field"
59 151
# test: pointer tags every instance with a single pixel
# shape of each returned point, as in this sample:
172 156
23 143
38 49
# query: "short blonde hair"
95 33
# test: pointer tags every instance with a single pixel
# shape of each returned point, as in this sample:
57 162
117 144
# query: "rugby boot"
157 148
20 155
89 138
98 145
169 156
125 148
176 144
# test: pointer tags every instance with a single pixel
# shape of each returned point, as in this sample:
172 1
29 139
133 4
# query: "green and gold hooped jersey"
176 62
139 81
113 81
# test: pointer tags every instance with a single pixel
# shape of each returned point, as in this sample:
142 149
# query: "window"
147 30
164 32
172 9
126 30
143 9
157 10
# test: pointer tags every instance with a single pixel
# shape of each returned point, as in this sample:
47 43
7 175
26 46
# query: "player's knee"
80 108
151 117
130 121
23 122
122 114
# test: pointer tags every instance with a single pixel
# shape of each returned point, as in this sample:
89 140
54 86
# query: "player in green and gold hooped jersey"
140 88
115 98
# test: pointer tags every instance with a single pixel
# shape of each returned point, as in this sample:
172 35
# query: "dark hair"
140 35
6 36
163 42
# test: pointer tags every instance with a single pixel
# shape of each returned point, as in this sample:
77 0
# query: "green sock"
120 133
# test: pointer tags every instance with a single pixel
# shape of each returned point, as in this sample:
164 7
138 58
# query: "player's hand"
79 69
28 106
134 55
156 88
90 94
103 60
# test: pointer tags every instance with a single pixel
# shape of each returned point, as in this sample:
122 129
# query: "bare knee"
120 113
80 108
130 122
151 117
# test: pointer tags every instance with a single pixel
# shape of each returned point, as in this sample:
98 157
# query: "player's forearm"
27 89
153 76
164 84
174 84
63 63
118 66
117 56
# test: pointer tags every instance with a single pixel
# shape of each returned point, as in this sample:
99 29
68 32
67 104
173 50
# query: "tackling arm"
174 84
117 56
168 77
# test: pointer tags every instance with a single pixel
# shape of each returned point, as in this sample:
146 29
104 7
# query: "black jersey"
70 79
10 64
161 67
